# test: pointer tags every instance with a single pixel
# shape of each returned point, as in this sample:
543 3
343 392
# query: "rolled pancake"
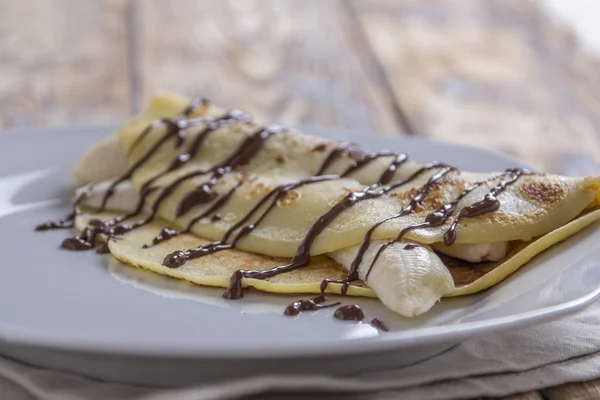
216 269
532 206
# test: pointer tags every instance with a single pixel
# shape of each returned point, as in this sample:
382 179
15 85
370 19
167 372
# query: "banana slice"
408 278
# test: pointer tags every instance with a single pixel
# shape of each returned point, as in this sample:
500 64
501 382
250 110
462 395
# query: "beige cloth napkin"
531 358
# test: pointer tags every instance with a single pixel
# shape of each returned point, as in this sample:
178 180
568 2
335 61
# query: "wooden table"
496 74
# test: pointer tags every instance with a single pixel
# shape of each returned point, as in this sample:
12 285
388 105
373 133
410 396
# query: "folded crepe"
211 196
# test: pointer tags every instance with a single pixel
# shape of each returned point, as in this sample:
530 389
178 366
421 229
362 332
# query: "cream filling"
407 280
480 252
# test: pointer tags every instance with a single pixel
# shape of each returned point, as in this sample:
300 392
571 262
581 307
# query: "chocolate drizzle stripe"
178 120
332 156
232 117
316 302
416 200
302 256
379 324
87 238
62 223
245 151
366 161
489 203
437 218
353 274
147 130
350 312
194 104
307 305
164 234
178 258
248 149
213 208
388 174
222 201
175 127
303 253
172 129
111 228
67 221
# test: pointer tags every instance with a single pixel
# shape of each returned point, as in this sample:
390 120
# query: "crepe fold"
534 211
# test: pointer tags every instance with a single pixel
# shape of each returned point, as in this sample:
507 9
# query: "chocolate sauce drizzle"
416 200
232 117
243 153
164 235
204 193
175 128
350 312
437 218
102 248
302 257
332 156
489 203
379 324
307 305
179 257
65 222
367 159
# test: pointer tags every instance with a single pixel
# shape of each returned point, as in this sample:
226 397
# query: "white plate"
69 310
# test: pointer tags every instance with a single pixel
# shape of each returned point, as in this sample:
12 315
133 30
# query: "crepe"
216 269
528 212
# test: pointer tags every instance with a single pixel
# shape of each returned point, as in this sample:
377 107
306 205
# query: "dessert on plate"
196 192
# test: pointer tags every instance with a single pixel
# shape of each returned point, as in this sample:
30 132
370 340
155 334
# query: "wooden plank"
286 61
524 396
496 74
574 391
62 61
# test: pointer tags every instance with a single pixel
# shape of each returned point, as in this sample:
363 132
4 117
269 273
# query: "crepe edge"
510 266
222 281
492 278
258 284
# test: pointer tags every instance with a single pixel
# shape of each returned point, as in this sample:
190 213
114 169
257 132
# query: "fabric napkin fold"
535 357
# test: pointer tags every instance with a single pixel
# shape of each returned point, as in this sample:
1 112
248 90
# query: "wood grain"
574 391
495 74
62 62
525 396
286 61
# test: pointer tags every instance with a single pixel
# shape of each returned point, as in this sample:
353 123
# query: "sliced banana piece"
409 279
